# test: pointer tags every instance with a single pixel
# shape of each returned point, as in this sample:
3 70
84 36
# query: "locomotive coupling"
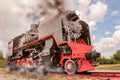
92 55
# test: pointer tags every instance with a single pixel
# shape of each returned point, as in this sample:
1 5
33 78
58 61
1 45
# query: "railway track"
95 75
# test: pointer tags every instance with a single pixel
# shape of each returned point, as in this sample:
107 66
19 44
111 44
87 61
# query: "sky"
101 15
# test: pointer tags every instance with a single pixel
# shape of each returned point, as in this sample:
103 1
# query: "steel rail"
91 75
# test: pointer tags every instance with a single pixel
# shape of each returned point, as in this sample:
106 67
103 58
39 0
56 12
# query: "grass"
2 63
108 67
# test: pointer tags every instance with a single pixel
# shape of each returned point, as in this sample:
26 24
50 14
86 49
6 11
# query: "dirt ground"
5 75
108 67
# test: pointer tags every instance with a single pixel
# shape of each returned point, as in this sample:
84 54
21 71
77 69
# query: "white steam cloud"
17 15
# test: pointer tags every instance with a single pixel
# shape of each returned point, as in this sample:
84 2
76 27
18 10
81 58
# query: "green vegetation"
115 59
117 56
2 60
1 56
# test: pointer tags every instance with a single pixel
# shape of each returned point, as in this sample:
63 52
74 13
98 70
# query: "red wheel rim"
70 67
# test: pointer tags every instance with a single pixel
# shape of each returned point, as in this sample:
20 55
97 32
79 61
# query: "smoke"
16 18
35 10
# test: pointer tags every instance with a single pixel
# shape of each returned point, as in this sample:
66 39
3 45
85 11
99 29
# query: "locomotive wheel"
70 67
55 60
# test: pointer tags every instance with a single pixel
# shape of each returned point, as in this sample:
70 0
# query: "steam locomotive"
62 43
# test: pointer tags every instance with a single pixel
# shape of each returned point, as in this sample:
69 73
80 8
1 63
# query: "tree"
1 55
104 60
117 55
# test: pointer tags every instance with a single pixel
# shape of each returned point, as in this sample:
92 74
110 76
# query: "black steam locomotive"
60 43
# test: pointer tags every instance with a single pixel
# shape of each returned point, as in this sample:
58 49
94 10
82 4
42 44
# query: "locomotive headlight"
77 12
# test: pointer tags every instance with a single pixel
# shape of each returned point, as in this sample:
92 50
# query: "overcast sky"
102 16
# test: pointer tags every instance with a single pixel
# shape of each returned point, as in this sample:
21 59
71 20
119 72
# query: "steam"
35 10
17 17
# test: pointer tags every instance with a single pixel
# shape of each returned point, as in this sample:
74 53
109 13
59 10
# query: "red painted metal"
18 63
78 52
70 67
85 66
24 62
29 62
64 57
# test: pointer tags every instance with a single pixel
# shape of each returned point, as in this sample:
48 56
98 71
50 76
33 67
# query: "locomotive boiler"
62 41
